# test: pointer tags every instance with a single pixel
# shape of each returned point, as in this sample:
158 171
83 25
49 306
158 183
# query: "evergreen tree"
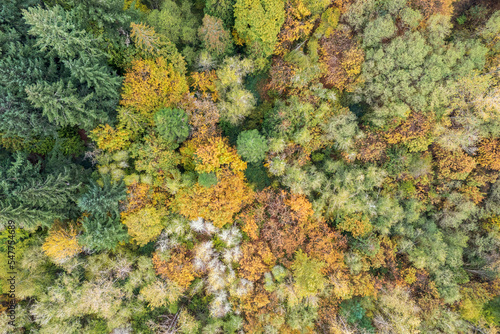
31 197
101 221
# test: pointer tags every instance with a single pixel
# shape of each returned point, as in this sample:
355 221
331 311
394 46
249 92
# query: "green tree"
177 22
235 101
258 22
32 197
308 276
172 124
77 86
101 219
145 225
102 198
252 146
222 9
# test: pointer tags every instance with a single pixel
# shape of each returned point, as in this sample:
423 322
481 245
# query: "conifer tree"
31 198
101 219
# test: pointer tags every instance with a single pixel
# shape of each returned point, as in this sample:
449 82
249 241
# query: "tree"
219 203
172 124
102 232
156 159
178 268
393 61
235 102
252 146
145 224
489 153
454 165
102 198
214 37
62 243
258 22
357 224
396 312
31 197
222 9
145 37
256 259
160 293
343 58
308 275
151 85
101 220
178 24
431 7
110 139
90 91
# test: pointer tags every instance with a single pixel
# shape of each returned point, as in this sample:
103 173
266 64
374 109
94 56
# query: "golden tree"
489 153
178 268
218 203
151 85
144 225
62 243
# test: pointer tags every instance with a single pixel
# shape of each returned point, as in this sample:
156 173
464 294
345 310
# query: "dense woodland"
250 166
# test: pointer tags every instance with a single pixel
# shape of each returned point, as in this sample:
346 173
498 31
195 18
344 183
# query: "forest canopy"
249 166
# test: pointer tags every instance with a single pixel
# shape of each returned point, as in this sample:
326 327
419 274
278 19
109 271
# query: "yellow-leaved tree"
62 243
145 224
151 85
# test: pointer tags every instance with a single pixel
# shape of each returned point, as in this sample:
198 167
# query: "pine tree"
101 220
102 232
102 199
31 198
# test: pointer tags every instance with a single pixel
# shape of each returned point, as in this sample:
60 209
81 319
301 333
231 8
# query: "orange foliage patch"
256 259
203 116
178 268
204 82
488 153
455 165
371 148
343 59
219 203
417 125
326 245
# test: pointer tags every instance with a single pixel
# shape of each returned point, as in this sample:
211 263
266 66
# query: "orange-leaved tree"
227 195
455 165
488 153
178 268
218 203
256 259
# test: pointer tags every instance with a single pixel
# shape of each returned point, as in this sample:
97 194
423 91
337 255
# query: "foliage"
151 85
252 146
31 197
218 203
172 124
214 37
307 274
235 101
61 243
258 23
178 268
299 166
